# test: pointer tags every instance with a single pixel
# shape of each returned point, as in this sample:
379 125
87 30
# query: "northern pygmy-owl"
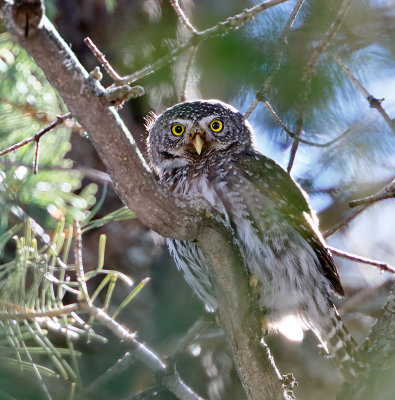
206 149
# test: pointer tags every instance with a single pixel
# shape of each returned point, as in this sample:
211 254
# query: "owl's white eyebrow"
186 122
209 118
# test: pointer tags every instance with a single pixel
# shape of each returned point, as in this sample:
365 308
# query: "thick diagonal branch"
132 179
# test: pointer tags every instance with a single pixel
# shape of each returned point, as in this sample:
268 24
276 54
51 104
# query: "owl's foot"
289 382
256 286
264 326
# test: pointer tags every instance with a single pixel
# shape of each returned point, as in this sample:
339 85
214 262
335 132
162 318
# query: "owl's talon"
289 382
254 281
264 326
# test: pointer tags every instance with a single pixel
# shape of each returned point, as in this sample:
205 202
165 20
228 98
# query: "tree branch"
221 27
36 137
240 322
364 260
387 192
373 101
183 18
308 73
132 179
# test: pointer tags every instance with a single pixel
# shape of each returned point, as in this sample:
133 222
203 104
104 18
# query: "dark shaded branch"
295 144
168 378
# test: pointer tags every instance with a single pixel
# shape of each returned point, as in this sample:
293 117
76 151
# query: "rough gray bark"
169 216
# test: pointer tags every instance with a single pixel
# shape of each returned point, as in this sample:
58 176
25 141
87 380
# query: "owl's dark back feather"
278 185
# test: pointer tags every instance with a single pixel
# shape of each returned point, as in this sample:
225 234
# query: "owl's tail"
341 347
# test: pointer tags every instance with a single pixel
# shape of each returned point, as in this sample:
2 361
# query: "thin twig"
278 57
120 366
233 22
36 136
364 260
373 102
184 19
103 60
386 193
352 129
344 221
171 379
308 73
191 335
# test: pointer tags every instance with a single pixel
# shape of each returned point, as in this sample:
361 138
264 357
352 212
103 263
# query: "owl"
205 149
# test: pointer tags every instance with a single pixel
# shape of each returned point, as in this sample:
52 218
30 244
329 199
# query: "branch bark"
132 179
162 212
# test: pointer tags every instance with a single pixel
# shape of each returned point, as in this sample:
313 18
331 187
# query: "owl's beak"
198 143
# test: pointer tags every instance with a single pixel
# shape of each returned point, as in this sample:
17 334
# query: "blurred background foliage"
231 67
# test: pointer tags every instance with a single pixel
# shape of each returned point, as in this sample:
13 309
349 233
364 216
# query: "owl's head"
192 133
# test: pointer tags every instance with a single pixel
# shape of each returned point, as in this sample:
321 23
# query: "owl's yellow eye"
177 129
216 125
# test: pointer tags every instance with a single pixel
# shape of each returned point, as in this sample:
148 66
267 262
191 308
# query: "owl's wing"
291 201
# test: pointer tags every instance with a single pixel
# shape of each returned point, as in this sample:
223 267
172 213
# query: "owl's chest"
249 212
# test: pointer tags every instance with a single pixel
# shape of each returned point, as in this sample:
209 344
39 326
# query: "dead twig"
278 57
373 101
36 136
275 116
222 27
344 221
308 74
387 192
364 260
184 19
